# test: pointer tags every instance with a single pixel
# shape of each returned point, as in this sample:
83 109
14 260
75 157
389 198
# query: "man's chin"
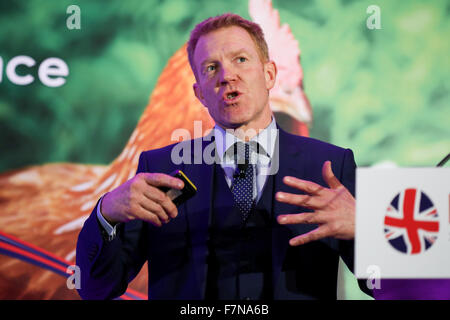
234 120
232 125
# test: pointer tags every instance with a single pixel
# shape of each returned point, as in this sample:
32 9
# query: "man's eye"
242 59
210 68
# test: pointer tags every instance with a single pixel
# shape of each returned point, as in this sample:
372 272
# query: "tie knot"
242 152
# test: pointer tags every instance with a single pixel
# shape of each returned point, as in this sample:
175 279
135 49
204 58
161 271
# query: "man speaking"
272 213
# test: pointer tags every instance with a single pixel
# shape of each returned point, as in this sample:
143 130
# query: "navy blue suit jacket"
177 251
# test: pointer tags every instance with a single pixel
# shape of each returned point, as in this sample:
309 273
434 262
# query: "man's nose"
228 74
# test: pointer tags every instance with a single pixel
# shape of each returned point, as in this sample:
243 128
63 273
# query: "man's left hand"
334 208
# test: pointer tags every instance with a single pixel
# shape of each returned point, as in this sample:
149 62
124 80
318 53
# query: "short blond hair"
224 21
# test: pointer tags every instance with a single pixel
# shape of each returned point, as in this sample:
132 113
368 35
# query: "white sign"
403 222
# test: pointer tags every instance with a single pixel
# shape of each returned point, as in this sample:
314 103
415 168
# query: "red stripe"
425 225
32 256
125 297
389 234
394 222
408 211
34 247
137 294
49 262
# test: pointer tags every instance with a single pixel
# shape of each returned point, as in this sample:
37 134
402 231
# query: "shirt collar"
266 139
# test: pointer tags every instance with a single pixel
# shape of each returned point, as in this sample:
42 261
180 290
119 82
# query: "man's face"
232 81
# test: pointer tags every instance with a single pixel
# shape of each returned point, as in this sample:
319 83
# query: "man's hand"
140 198
334 208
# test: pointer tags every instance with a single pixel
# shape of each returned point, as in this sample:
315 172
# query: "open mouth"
231 96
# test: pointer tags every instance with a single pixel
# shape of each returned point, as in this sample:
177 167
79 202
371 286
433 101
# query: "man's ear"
198 93
270 73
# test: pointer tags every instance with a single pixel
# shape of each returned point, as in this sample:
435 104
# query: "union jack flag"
411 223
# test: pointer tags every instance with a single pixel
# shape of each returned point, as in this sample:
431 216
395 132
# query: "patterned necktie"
242 188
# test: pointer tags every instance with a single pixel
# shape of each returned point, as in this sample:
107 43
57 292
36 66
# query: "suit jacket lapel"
198 209
289 164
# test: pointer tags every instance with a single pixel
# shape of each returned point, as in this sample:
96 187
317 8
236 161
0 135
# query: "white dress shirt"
266 139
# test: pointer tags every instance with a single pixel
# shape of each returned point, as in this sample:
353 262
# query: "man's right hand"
140 198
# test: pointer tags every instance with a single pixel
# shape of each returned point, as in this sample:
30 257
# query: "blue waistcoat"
239 253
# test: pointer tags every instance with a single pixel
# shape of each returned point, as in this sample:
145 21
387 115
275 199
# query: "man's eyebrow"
207 61
232 53
237 52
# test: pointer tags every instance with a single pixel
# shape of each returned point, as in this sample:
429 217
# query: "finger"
307 186
304 217
316 234
156 209
163 180
169 207
163 200
142 213
302 200
329 177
